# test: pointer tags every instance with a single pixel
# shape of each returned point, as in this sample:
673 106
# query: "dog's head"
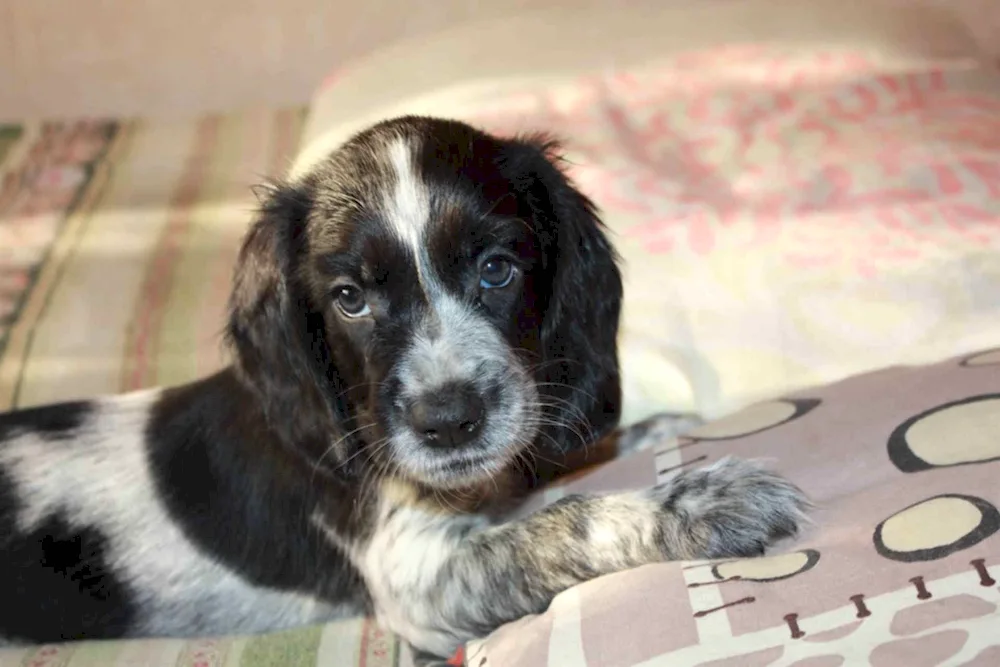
431 300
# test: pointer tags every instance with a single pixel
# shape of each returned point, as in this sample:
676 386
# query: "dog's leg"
440 581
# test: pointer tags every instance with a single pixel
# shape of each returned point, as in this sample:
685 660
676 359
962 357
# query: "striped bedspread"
117 240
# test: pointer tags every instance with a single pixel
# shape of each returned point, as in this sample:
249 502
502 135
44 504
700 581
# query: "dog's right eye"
496 272
351 301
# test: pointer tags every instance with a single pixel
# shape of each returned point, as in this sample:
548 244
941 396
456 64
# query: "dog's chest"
402 565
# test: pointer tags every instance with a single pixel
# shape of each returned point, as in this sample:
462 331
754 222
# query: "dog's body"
154 514
421 327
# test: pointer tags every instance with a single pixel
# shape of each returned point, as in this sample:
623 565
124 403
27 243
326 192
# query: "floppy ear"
580 295
277 334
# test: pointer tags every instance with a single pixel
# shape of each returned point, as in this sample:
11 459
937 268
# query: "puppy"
418 327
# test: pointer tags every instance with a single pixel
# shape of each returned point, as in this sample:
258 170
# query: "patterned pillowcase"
901 567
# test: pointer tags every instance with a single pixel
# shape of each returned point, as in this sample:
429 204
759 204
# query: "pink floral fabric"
786 217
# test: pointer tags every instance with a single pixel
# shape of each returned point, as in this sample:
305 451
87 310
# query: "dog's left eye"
351 301
495 272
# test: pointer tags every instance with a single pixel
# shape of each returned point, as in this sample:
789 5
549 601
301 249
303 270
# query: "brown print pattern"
988 357
962 432
921 617
936 527
897 563
754 419
926 651
938 519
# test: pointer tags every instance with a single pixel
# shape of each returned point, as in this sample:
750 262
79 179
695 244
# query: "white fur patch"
408 205
457 345
621 528
402 565
102 480
449 348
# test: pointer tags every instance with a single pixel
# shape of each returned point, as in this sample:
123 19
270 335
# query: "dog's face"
432 301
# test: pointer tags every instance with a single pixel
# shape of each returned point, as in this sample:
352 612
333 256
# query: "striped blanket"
117 240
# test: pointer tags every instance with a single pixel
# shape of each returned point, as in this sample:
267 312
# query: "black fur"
579 292
63 587
241 501
278 332
54 422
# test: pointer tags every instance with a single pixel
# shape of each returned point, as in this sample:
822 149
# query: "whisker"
319 461
358 386
441 498
535 454
373 474
543 421
550 362
563 385
574 411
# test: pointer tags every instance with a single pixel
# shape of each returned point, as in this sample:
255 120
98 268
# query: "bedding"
799 196
901 568
800 191
117 238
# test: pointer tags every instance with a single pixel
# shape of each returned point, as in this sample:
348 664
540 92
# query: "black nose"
449 417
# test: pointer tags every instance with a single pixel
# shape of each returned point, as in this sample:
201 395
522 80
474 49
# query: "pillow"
901 567
800 191
789 219
470 67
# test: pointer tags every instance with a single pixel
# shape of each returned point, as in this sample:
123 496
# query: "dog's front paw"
733 508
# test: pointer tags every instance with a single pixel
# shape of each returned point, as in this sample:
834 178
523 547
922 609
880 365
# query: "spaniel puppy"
419 326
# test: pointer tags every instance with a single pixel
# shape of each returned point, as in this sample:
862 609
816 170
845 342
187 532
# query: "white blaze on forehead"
408 204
